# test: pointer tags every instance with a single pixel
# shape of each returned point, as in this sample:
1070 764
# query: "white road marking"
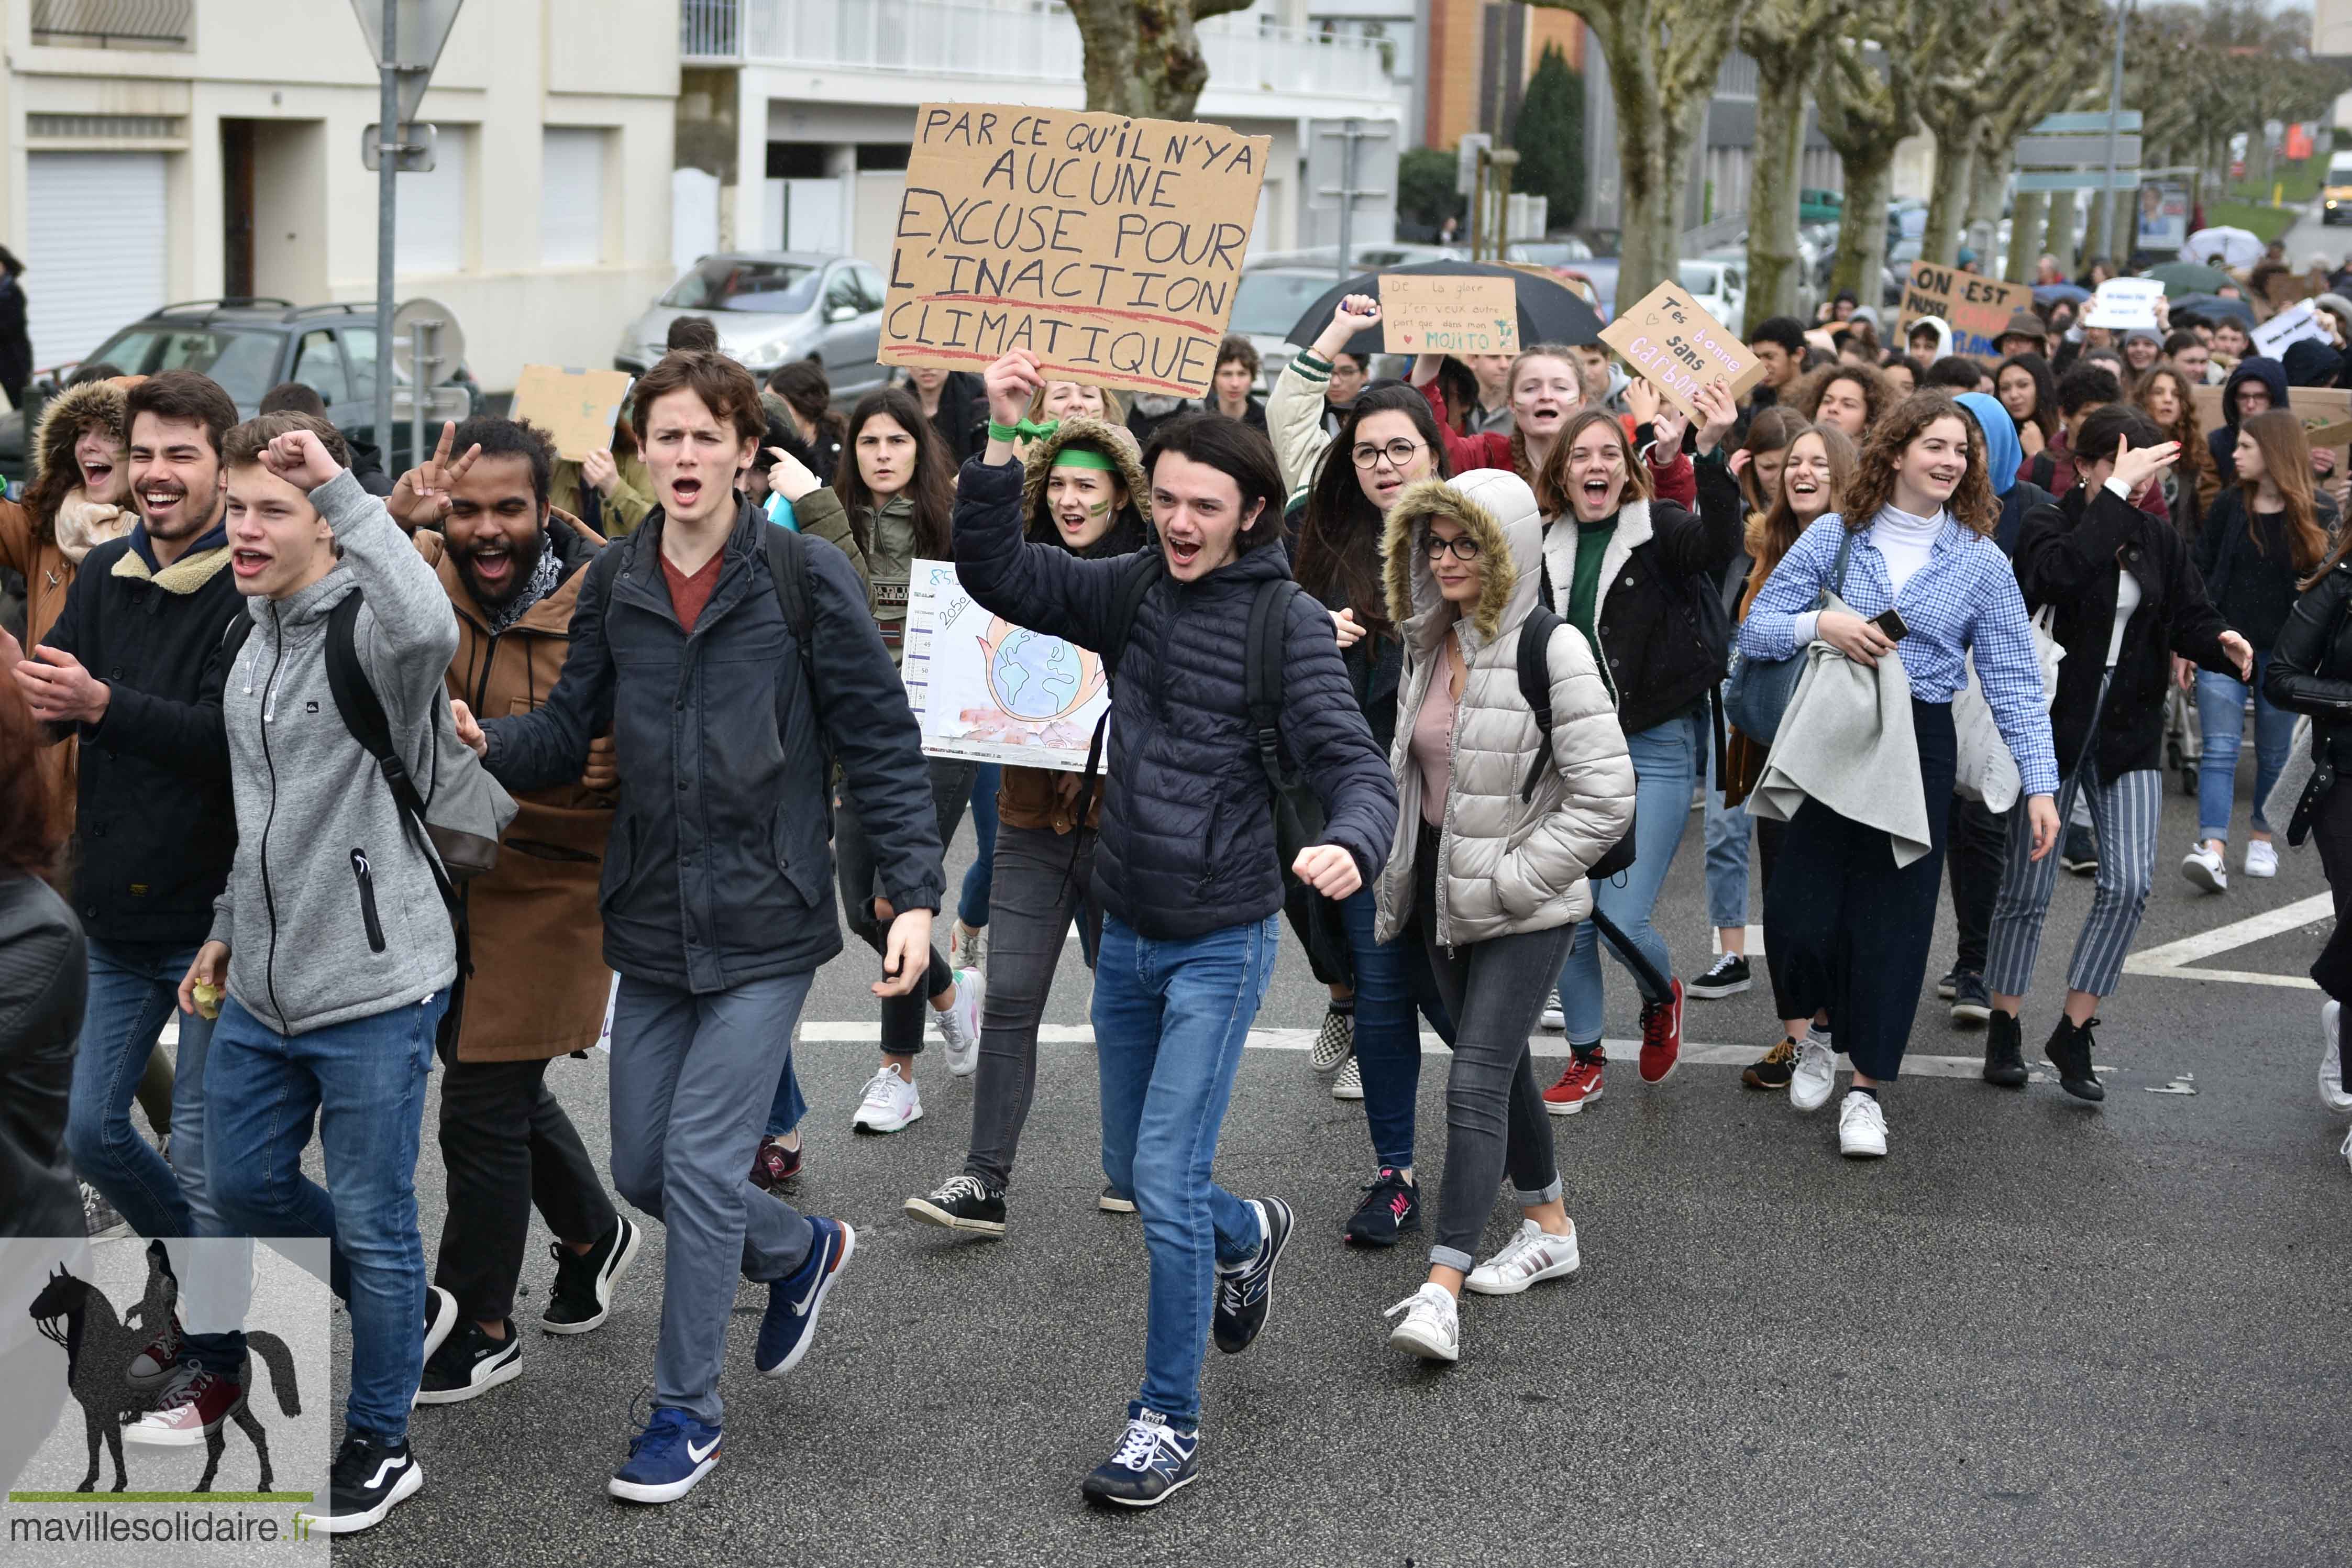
2173 961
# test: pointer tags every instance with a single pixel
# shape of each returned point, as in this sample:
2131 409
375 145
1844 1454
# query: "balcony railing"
1021 42
114 24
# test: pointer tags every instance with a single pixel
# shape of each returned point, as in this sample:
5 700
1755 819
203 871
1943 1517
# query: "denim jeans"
364 1083
1665 764
1387 1034
784 1112
217 1281
1727 853
971 906
2221 716
1171 1020
134 988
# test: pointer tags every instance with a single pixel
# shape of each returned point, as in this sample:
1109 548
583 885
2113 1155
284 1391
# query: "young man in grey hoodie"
330 940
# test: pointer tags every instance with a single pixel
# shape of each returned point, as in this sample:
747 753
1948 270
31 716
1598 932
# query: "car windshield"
1701 278
757 288
1269 304
244 363
1553 253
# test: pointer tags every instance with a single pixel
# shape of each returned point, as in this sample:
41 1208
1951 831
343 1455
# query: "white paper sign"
2289 326
986 691
2125 303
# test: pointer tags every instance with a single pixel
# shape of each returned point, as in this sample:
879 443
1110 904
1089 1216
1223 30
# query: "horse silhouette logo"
99 1348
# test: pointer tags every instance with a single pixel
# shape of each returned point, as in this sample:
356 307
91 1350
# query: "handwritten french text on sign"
2124 304
1678 348
1975 308
985 690
2292 325
1110 247
1426 315
576 408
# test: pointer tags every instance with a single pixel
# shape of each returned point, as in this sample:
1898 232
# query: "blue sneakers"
794 1300
1153 1460
667 1458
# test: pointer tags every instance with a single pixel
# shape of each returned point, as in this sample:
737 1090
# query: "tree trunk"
1988 185
2061 239
1946 201
1772 264
1648 152
1861 263
2027 221
1143 56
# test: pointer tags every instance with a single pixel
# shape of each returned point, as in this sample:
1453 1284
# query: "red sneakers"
774 1165
155 1360
1578 1087
1662 1036
192 1410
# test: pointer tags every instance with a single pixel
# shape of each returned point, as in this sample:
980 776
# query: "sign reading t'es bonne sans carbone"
1107 247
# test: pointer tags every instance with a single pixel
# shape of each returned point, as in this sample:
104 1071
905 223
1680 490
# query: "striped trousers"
2125 815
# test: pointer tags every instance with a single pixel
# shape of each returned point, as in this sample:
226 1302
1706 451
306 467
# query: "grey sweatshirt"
332 912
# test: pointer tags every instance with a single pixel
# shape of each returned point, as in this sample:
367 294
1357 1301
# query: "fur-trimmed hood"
1114 440
1494 507
55 473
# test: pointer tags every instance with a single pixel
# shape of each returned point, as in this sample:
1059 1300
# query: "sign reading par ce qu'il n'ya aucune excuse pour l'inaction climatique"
1107 247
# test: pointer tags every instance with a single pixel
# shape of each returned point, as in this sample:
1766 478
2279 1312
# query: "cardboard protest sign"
576 408
1678 348
2207 401
1110 247
2124 304
2326 413
1975 308
987 690
1468 315
2292 325
2285 287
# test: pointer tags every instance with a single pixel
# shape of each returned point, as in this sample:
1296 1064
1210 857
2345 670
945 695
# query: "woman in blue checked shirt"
1846 927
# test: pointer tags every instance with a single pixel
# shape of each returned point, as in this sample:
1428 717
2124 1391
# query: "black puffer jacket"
1188 832
43 981
718 871
2072 554
2311 664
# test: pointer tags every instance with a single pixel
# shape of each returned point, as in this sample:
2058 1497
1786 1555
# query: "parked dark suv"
249 345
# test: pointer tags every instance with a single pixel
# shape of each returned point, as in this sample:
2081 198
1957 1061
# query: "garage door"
94 248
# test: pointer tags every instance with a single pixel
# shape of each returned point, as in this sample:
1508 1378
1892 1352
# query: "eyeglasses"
1462 546
1399 452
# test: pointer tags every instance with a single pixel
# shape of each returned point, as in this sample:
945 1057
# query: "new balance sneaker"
2203 868
960 1024
194 1405
1578 1087
158 1358
774 1165
1391 1205
440 1317
2079 853
671 1454
1153 1460
794 1301
1350 1083
1971 1002
1432 1328
585 1281
2004 1064
1773 1069
2069 1050
469 1365
1113 1201
1861 1127
1553 1017
889 1103
1816 1071
1246 1290
1662 1036
2262 858
370 1479
1727 976
1335 1042
967 945
1530 1257
2331 1092
962 1202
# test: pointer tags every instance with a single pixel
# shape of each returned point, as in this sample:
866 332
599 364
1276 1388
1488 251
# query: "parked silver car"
771 306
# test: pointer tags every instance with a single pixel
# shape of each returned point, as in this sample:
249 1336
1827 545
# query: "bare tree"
1785 38
1143 56
1663 56
1867 99
1978 71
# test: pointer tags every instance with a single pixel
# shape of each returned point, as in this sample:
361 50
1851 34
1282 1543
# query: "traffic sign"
2076 180
2068 152
2083 124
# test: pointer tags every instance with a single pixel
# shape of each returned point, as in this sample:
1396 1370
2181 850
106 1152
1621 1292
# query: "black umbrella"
2213 306
1550 311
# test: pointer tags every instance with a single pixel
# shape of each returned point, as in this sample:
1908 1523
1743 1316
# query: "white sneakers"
1530 1257
960 1024
2331 1063
1432 1328
1816 1070
967 945
2203 868
1861 1127
2262 858
1554 1016
1350 1083
889 1103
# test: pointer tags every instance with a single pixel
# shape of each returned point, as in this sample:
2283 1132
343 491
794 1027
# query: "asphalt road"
2039 1333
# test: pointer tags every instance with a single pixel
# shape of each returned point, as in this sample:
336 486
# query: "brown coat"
539 985
1045 797
47 575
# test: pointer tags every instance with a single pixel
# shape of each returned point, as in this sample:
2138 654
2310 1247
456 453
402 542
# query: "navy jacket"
1187 826
720 870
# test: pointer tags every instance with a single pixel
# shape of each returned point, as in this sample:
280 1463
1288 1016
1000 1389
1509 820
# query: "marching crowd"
1428 670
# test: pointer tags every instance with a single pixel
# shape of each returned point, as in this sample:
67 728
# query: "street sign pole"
386 199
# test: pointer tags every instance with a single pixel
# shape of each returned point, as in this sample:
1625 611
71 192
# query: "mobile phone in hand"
1890 626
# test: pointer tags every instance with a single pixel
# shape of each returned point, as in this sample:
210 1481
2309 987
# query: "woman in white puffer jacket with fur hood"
1490 875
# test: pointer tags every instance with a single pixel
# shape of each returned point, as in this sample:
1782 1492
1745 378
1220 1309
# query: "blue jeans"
2221 715
971 908
364 1083
1388 1035
1170 1019
134 988
1665 764
1727 852
785 1112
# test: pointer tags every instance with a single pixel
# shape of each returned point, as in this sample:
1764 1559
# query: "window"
359 347
843 291
732 283
244 363
571 198
318 366
870 288
429 226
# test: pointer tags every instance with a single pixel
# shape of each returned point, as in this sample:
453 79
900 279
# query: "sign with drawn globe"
986 690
